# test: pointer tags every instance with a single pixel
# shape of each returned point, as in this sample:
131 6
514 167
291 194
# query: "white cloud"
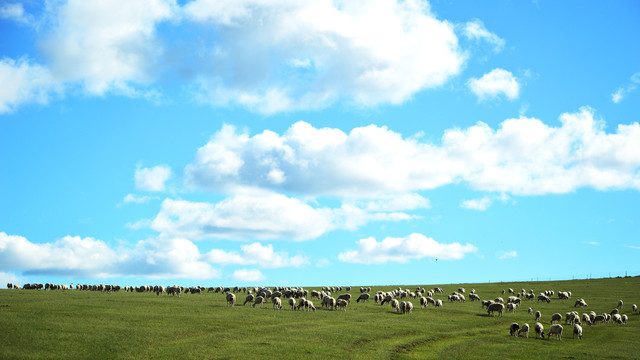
152 179
403 250
523 156
399 202
593 243
14 11
495 83
368 53
247 275
477 204
9 277
260 216
24 82
507 254
324 262
622 92
74 256
132 198
256 254
476 30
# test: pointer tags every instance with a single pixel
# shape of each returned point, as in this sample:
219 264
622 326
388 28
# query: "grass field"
37 324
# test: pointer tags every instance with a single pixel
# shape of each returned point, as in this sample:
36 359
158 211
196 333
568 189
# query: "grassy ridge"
75 324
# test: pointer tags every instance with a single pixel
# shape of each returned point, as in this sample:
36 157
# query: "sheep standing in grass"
634 308
292 303
577 330
619 304
513 329
342 304
556 317
438 303
530 311
539 328
556 330
258 301
624 318
525 330
423 302
249 299
495 307
364 297
231 299
395 305
617 318
277 303
538 315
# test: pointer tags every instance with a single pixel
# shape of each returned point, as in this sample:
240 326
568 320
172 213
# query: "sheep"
438 303
530 311
292 303
364 297
634 308
511 307
619 304
499 300
346 297
309 306
387 298
342 304
538 315
301 303
556 317
614 311
624 318
9 285
402 306
586 318
525 330
248 299
423 302
592 316
258 301
495 307
461 290
599 318
473 297
231 299
617 318
577 330
486 303
543 297
539 328
395 305
513 329
556 330
277 303
581 303
409 307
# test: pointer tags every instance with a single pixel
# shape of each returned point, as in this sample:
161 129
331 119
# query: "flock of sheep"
299 298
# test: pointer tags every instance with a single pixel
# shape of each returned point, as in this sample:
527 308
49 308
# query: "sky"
311 143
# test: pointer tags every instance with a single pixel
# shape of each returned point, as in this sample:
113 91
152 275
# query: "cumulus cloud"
247 275
260 216
256 254
475 30
152 179
507 254
137 199
74 256
477 204
403 250
523 156
25 82
623 92
266 56
495 83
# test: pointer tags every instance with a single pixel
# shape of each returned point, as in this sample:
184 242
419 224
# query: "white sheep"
538 315
539 328
617 318
258 301
619 304
408 307
292 303
342 304
277 303
423 302
438 303
525 330
624 318
634 308
543 297
495 307
395 305
530 311
577 330
556 317
556 329
511 307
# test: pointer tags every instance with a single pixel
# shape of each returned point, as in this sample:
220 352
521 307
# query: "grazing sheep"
543 297
511 307
409 307
538 315
474 296
499 300
438 303
581 303
617 318
556 330
539 328
309 305
277 303
292 303
258 301
231 299
346 297
342 304
599 318
249 299
495 307
619 304
513 329
556 317
364 297
624 318
530 311
525 330
577 330
387 298
486 303
634 308
402 306
423 302
586 318
395 305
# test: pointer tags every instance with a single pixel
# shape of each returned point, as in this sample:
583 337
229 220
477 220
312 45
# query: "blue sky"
318 142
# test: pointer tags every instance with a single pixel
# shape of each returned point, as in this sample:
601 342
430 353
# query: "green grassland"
38 324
